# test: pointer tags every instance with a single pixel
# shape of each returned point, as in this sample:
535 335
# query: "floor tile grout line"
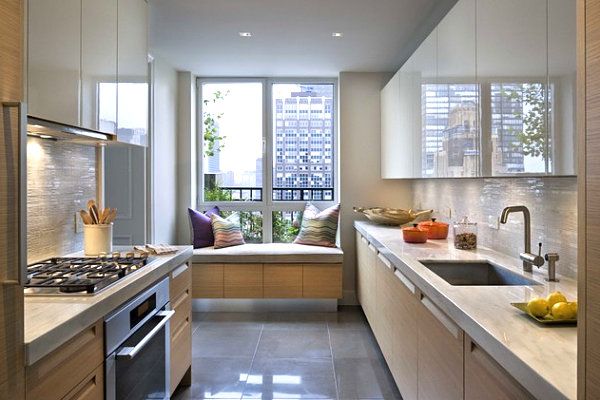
262 328
337 393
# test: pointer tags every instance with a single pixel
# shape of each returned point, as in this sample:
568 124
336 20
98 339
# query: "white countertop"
51 321
542 358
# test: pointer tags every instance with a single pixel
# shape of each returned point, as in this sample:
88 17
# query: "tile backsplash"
61 178
552 202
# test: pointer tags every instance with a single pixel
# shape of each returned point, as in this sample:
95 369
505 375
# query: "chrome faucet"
528 258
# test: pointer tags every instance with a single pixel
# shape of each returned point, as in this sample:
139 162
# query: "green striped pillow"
319 228
227 231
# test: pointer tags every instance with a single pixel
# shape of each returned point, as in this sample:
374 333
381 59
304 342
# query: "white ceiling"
290 37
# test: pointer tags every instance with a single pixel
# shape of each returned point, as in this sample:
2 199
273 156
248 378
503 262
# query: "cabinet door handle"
19 268
412 288
440 316
385 261
362 239
372 248
179 270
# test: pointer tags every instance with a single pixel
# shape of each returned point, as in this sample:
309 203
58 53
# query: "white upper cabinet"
451 105
492 93
132 91
99 65
88 65
562 75
54 49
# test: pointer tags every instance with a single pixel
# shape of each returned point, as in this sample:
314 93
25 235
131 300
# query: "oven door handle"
131 352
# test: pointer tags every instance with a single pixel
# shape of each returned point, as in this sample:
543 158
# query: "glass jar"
465 234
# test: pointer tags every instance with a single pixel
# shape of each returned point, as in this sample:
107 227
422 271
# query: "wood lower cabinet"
91 388
383 328
273 281
282 281
440 349
404 308
486 379
361 284
322 281
180 291
207 281
243 281
75 369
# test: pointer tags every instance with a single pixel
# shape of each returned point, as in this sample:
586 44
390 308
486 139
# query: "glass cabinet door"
455 102
512 69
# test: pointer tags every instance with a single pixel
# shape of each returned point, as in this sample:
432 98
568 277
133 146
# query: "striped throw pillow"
227 231
319 228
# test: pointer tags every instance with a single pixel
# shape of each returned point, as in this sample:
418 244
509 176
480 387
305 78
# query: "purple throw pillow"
202 227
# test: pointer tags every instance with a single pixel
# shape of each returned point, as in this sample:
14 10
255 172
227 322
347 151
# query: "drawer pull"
385 261
180 299
362 239
179 270
412 288
440 316
130 352
372 248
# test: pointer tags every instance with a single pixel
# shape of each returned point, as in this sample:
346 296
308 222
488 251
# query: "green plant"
285 229
212 139
215 193
534 136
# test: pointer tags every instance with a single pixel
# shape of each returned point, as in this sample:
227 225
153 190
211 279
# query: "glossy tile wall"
551 201
61 178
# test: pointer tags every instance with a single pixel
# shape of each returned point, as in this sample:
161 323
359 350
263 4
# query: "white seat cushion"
269 253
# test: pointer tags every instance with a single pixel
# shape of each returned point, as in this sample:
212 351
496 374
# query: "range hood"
46 129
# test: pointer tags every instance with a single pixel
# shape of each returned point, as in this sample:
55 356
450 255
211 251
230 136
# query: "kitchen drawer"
207 281
180 280
182 305
91 388
181 352
283 281
322 281
55 375
243 281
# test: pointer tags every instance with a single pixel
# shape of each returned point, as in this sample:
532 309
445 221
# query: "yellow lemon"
538 307
556 297
573 307
562 310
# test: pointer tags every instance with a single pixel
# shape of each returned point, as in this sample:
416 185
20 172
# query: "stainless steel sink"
479 273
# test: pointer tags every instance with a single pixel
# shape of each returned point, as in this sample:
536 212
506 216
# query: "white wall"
359 158
164 153
186 153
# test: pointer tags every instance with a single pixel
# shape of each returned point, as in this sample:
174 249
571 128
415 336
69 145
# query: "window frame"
267 205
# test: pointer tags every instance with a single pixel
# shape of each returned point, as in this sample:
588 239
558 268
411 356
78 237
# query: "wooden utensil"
85 217
104 215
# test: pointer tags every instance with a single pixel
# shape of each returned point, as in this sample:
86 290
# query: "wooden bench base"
272 281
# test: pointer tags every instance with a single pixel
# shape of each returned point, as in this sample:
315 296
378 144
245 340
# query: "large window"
267 147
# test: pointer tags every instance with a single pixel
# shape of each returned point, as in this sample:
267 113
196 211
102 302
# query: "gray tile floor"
287 356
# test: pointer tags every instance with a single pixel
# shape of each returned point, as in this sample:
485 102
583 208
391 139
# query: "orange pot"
435 230
414 234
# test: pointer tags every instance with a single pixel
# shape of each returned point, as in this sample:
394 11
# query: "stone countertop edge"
550 378
51 321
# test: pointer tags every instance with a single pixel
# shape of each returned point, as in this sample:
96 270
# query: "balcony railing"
279 194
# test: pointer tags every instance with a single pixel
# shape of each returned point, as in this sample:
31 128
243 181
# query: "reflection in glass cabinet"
490 92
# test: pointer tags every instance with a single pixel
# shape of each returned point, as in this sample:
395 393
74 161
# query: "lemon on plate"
563 310
538 307
555 297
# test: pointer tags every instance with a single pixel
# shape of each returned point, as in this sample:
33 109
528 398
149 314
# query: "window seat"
269 253
267 270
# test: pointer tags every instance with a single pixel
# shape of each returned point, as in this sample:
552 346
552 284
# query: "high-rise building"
304 140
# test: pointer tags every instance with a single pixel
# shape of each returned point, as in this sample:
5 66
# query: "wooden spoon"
85 217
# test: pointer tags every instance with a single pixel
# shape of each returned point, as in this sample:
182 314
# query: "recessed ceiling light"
337 34
245 34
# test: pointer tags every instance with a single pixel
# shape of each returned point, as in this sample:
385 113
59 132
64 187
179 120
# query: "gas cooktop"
80 275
